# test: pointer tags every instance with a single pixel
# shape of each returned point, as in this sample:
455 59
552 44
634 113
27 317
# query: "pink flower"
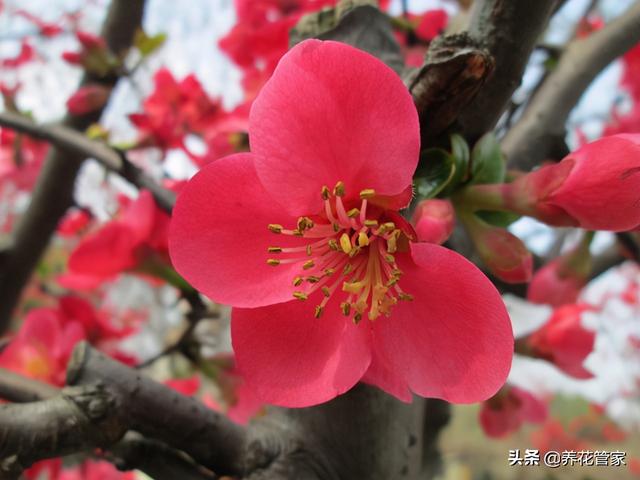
596 187
42 346
303 237
87 99
432 23
434 220
564 341
505 412
132 241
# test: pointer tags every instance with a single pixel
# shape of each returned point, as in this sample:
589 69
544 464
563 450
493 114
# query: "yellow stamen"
352 287
304 223
363 239
297 281
346 308
308 264
356 318
275 228
338 190
390 258
370 223
326 292
348 268
274 249
273 262
345 243
309 250
318 312
367 193
405 296
354 212
313 279
333 245
300 295
325 192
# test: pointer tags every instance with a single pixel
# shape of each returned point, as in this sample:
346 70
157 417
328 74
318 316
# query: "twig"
74 142
543 121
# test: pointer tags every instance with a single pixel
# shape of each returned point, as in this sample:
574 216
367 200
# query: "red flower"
332 115
595 187
553 436
434 220
25 55
137 236
564 341
42 346
175 109
509 409
432 23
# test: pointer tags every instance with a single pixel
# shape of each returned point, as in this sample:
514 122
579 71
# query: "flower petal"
331 113
454 340
219 237
292 359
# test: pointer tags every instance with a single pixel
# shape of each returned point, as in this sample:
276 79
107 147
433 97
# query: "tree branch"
508 30
160 413
543 122
16 388
75 143
53 193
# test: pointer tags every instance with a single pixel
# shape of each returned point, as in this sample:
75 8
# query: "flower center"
350 248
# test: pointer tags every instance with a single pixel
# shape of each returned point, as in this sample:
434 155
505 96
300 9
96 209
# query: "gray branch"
532 139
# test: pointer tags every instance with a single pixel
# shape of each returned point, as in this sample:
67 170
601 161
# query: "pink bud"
90 41
504 254
552 286
434 220
74 58
564 341
87 99
597 187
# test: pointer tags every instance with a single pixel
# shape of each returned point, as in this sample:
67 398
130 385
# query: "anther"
275 228
390 258
313 279
274 249
354 251
325 192
346 308
333 245
308 250
405 296
367 193
336 227
370 223
297 281
356 318
338 190
273 262
345 243
353 213
326 292
304 223
363 239
300 295
352 287
329 271
308 264
318 312
348 268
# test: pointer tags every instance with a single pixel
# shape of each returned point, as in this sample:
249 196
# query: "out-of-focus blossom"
88 99
506 411
564 341
433 220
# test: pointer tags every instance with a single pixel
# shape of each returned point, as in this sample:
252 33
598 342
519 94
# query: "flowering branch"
543 122
16 388
53 193
74 142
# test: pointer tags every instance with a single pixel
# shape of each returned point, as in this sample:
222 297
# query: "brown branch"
75 143
53 193
508 30
543 122
160 413
16 388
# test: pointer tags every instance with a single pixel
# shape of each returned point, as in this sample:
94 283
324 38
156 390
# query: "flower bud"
434 220
597 187
87 99
561 280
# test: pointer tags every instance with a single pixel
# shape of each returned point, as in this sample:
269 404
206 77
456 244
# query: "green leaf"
487 161
498 219
146 44
438 167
